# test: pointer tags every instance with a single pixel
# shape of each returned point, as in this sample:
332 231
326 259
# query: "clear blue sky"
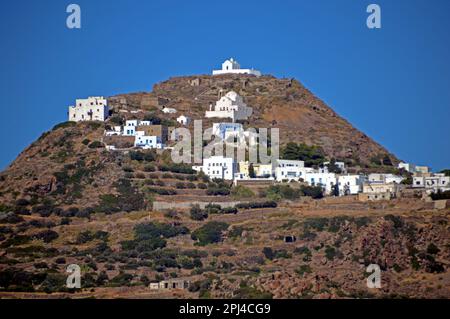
393 83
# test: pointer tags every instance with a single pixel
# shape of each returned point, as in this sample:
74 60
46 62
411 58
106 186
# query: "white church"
231 105
232 66
94 108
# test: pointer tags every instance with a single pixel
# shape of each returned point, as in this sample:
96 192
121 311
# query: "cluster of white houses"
376 186
232 106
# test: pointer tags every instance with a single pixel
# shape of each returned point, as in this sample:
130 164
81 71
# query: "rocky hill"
67 200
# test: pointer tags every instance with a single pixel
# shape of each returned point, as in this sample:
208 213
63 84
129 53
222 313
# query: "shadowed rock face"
282 103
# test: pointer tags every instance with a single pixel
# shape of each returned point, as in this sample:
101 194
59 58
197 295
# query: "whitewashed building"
130 126
218 167
147 142
231 105
434 182
289 170
183 120
377 191
350 184
385 178
232 66
324 180
94 108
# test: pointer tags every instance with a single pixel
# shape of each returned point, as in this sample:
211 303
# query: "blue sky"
392 83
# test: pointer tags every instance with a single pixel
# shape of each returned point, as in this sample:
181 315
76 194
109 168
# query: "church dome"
232 95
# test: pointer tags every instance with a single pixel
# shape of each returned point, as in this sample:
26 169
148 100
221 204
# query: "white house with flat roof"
385 178
432 182
218 167
350 184
94 108
233 67
376 191
130 126
231 105
324 180
147 142
290 170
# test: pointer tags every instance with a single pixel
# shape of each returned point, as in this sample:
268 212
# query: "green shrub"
311 155
180 185
96 144
16 240
177 168
150 236
210 233
242 192
22 202
129 199
54 283
331 253
440 195
202 186
47 236
197 213
315 192
268 253
87 236
128 169
279 192
162 191
236 231
40 265
117 120
229 210
149 168
303 269
432 249
255 205
121 280
218 191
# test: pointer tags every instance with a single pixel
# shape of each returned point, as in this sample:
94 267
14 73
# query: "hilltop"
283 103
